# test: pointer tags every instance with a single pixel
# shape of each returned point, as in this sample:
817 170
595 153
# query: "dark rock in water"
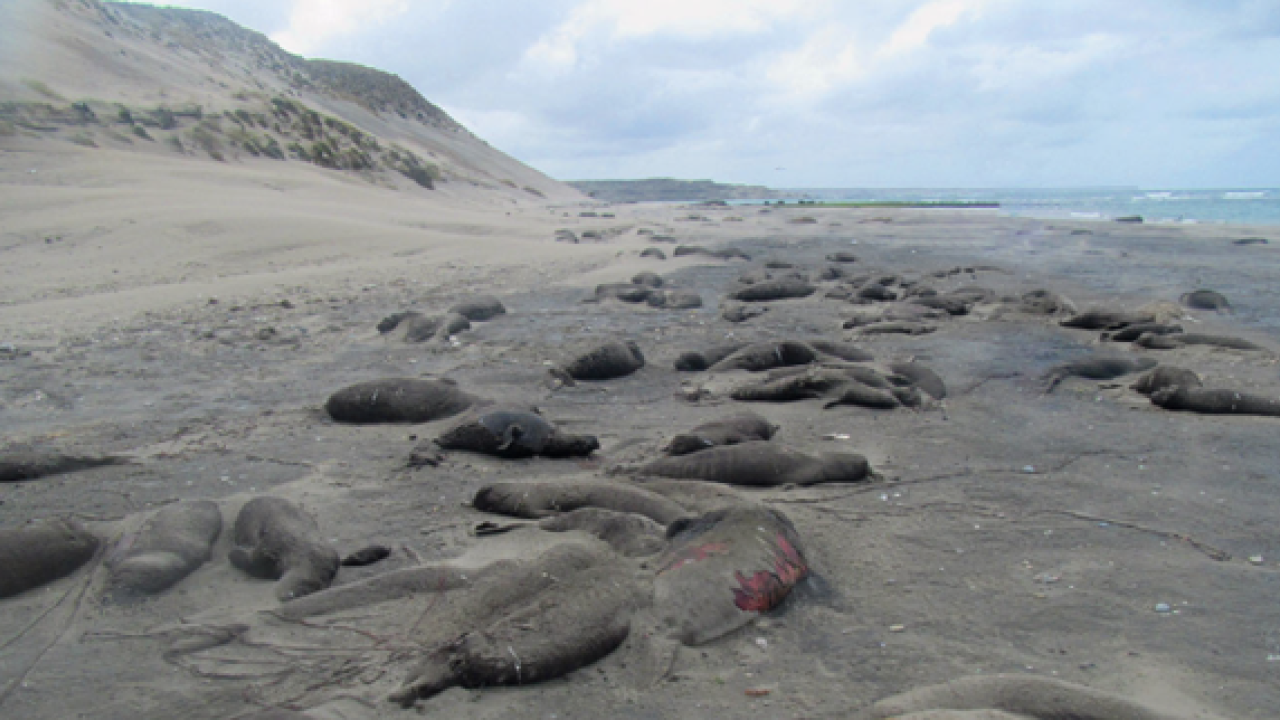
729 430
842 257
277 540
761 464
39 553
480 308
609 360
1206 300
725 254
654 252
649 278
1129 219
697 360
775 289
626 292
1250 241
737 312
1131 333
763 356
514 433
175 542
1097 367
1215 401
1165 376
21 465
367 556
399 400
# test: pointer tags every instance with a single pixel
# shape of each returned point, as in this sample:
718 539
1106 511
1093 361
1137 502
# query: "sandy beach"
203 238
1084 535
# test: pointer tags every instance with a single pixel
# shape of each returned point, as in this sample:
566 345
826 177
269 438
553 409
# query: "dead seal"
1215 401
606 361
1153 341
622 292
760 464
478 308
765 355
1106 319
724 569
415 327
1206 300
1011 697
739 313
41 552
725 254
1096 367
647 277
171 545
509 432
547 619
1165 376
537 500
277 540
399 400
22 465
859 395
674 300
698 360
1137 330
728 430
922 377
896 328
774 289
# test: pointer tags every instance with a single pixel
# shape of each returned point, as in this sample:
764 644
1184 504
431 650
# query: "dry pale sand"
1018 532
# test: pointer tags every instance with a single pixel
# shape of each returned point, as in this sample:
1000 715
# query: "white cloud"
914 33
314 22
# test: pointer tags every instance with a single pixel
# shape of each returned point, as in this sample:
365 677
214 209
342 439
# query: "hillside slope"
192 84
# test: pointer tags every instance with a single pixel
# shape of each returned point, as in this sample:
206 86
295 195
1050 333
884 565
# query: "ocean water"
1218 205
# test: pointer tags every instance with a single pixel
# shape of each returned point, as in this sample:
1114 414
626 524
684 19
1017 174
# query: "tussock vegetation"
276 128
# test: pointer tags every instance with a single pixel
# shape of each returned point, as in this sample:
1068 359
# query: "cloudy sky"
832 93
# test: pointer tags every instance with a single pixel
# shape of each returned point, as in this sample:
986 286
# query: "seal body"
276 539
514 433
763 356
1206 300
18 466
399 400
479 308
762 464
1165 376
606 361
171 545
1097 367
773 289
538 500
729 430
696 360
1215 401
723 569
40 553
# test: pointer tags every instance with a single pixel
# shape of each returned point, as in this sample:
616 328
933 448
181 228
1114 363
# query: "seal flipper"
256 563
